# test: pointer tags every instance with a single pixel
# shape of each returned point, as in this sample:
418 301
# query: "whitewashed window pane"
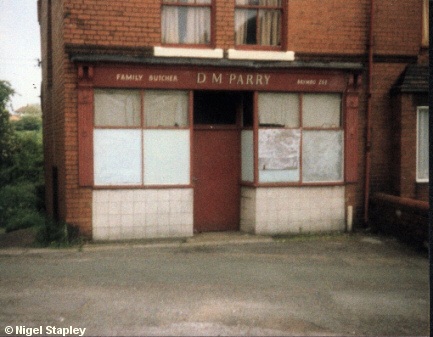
422 172
117 157
247 144
322 156
166 108
321 110
278 110
166 157
117 107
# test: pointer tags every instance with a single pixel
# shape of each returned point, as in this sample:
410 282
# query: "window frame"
418 111
142 128
283 27
301 127
178 3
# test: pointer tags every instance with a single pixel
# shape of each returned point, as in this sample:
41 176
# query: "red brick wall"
404 152
385 75
398 26
317 26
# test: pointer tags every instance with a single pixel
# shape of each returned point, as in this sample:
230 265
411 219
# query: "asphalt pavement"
218 284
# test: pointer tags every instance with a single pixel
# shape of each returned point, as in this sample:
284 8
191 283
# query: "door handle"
194 179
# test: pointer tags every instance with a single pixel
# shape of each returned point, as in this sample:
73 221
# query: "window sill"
188 52
261 55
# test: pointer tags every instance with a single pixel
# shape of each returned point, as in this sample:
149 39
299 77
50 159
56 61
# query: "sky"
20 50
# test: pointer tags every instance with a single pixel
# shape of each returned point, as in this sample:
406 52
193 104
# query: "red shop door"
216 165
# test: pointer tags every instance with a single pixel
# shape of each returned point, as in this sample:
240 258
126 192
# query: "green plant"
57 234
27 123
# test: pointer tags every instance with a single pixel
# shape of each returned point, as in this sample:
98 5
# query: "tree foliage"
21 171
27 123
6 132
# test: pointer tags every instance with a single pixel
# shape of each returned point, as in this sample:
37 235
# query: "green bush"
52 233
28 123
57 234
15 201
25 219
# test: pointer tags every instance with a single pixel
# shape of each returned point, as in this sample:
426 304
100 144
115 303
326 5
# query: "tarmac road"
346 285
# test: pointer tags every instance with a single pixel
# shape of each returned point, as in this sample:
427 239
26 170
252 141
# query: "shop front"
173 150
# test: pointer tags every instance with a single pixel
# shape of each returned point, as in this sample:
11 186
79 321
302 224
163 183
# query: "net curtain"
185 24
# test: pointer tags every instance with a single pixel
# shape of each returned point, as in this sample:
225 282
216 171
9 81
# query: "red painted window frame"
211 44
349 144
283 24
142 127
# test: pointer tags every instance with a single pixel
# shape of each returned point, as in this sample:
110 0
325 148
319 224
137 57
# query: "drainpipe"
368 117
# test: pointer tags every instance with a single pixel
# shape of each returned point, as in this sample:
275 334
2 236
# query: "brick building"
166 117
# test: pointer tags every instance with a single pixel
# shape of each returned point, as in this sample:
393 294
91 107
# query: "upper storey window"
258 22
186 21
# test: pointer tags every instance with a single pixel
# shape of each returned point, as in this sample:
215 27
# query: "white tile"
175 219
115 233
139 195
186 194
139 207
114 208
186 206
175 194
140 232
163 195
163 219
152 195
151 231
164 207
128 195
101 208
139 219
114 220
152 219
175 206
152 207
101 220
127 220
127 208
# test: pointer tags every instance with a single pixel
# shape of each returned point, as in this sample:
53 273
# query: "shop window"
422 150
117 157
117 107
290 130
258 22
186 21
166 108
321 110
141 137
279 110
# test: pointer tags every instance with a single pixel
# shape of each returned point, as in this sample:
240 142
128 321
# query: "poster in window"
279 149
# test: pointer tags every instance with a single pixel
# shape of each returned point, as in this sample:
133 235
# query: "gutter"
368 117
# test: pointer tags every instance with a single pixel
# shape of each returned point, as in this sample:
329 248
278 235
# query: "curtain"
279 109
270 28
166 108
190 25
117 107
170 24
197 25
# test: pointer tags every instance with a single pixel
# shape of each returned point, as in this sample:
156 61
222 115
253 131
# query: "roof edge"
92 58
